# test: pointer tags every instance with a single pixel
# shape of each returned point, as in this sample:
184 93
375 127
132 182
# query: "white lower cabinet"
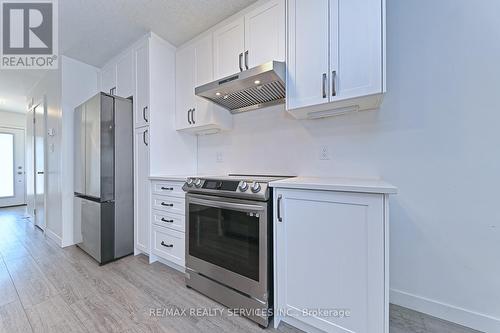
168 222
169 244
141 190
331 260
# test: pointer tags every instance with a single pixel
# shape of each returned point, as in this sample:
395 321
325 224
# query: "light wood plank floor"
44 288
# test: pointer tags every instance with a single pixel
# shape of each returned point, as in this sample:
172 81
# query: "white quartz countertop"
336 184
179 178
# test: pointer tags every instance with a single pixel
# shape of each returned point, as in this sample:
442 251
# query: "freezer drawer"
97 226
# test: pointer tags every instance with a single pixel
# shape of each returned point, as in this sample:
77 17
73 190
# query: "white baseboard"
52 235
464 317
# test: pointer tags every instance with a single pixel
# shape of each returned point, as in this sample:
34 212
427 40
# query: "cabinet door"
265 34
356 47
184 86
307 77
330 255
228 45
125 75
204 73
141 189
108 79
141 105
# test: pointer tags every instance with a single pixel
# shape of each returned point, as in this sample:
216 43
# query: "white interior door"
12 177
40 166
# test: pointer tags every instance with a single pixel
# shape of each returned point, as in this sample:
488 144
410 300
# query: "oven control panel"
248 188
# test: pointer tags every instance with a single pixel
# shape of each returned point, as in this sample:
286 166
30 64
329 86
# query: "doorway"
12 173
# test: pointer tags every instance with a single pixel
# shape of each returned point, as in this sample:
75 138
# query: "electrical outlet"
218 157
324 153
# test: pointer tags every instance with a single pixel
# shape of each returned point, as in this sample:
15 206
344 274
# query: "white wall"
64 89
79 83
49 89
436 137
12 119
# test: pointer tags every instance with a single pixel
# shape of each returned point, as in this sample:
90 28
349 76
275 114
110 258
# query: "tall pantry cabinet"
145 72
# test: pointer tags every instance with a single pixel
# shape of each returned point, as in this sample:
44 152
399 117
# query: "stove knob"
189 182
255 187
197 182
243 186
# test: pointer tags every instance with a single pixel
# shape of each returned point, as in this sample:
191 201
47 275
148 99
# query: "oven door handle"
226 205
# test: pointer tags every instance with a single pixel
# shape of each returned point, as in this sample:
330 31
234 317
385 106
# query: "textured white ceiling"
93 31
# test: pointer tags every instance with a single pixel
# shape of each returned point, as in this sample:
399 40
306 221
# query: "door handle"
324 85
144 137
189 116
144 109
192 115
278 204
168 221
240 59
166 245
246 59
334 86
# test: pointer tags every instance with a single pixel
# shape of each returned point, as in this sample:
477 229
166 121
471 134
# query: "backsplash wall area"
433 131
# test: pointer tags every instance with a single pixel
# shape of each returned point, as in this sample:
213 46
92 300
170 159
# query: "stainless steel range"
229 242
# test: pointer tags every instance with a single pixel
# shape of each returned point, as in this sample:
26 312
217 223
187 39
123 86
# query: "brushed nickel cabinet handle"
144 109
192 115
167 188
144 137
167 221
189 116
240 59
324 85
246 59
280 198
167 204
334 85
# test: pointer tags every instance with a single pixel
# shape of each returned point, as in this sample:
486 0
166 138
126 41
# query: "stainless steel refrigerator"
103 177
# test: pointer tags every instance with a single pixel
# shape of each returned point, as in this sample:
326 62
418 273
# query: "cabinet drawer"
169 204
169 244
168 220
168 188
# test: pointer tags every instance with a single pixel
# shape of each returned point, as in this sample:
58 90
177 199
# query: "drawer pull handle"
167 204
168 221
167 188
166 245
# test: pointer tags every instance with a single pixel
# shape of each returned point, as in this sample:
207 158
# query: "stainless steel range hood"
252 89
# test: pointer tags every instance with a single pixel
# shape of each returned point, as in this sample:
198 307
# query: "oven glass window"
226 238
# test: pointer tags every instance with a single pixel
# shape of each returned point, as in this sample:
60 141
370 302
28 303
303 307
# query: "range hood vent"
252 89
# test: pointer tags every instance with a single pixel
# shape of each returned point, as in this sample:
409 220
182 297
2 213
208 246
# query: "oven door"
226 241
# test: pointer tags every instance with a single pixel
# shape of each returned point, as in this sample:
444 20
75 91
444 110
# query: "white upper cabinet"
117 76
184 86
335 56
265 34
307 81
357 48
194 67
141 104
254 39
229 44
108 79
125 75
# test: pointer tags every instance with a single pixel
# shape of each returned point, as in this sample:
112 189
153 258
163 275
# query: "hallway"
44 288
